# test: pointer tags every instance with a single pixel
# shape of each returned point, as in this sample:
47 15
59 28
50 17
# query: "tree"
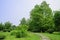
23 21
8 26
35 19
57 20
48 16
1 27
13 27
41 18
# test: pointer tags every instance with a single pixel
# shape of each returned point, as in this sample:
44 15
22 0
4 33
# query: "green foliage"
23 21
13 27
41 18
13 32
20 34
52 36
35 19
6 30
57 33
2 36
31 36
22 27
50 30
7 25
1 26
21 31
57 20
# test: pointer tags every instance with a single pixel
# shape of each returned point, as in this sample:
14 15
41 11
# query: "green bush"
21 31
2 36
50 30
22 27
6 30
20 34
13 32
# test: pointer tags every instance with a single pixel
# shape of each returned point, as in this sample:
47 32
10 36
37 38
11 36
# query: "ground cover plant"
31 36
54 36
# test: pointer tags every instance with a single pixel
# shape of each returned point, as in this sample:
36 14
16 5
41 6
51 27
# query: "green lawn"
53 36
30 37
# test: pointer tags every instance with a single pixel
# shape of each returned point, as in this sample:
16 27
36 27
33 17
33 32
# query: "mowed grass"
54 36
31 36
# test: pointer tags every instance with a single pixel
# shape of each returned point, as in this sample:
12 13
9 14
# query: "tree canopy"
41 17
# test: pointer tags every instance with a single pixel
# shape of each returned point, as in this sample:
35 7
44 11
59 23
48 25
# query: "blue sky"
15 10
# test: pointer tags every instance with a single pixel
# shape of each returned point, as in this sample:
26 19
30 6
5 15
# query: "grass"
54 36
31 36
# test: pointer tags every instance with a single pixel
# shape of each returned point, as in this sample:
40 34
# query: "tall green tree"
41 17
35 18
57 20
48 16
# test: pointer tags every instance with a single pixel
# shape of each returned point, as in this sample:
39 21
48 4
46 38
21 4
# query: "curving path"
43 37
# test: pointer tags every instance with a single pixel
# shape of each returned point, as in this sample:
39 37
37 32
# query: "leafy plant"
2 36
21 31
50 30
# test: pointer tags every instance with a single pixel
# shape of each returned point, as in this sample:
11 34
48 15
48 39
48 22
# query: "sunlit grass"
31 36
53 36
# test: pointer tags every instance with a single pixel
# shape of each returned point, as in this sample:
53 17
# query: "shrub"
2 36
20 34
22 27
13 32
50 30
21 31
6 30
